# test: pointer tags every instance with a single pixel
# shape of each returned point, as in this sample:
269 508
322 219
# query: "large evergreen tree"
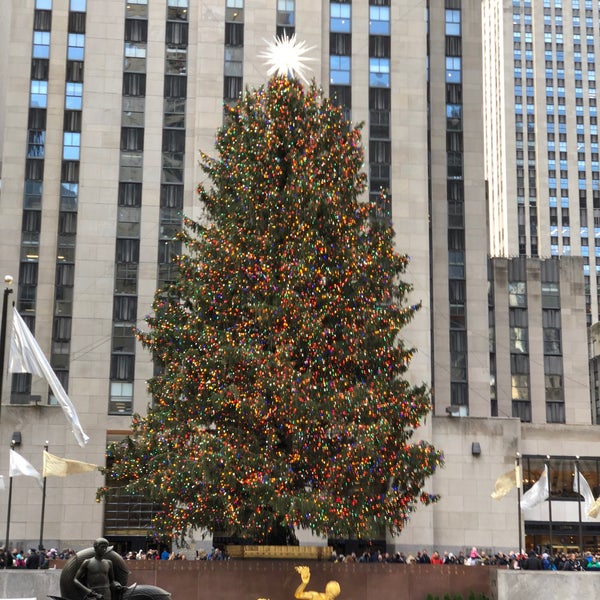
282 399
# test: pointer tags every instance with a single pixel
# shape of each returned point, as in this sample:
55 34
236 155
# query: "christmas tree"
281 400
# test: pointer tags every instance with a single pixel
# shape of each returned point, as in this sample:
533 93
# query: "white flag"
586 491
21 466
538 492
26 356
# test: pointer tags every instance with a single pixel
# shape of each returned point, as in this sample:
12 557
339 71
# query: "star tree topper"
285 56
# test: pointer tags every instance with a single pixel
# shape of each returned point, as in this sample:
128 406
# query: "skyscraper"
541 127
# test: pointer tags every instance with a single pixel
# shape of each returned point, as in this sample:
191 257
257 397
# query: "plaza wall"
277 580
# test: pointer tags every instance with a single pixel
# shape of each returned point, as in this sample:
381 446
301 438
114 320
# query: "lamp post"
7 291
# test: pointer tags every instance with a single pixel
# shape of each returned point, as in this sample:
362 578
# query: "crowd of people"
213 554
535 559
32 559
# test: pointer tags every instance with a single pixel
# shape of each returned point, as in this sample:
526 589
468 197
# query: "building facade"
541 127
103 109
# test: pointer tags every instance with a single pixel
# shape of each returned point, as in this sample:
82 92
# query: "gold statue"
332 589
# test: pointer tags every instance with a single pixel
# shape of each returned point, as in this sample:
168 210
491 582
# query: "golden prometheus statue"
332 589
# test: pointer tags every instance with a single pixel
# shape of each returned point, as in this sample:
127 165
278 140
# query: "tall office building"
541 125
104 106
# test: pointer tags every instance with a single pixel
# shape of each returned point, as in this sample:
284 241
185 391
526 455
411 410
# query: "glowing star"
286 57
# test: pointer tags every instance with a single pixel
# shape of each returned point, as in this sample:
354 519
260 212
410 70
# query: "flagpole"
579 504
10 482
41 544
519 484
549 503
7 290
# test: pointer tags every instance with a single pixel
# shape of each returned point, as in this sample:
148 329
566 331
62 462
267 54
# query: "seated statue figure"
99 573
95 576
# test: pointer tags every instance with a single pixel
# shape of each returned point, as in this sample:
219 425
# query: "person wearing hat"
95 576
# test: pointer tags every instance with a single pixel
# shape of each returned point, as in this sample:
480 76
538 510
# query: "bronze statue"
332 589
100 573
95 576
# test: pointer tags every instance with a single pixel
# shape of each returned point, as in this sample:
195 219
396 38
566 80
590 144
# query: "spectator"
33 559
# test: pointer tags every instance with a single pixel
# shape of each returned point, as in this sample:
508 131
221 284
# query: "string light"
282 398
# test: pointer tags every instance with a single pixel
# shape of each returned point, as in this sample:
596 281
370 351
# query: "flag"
26 356
585 490
505 483
538 492
21 466
2 484
594 509
61 467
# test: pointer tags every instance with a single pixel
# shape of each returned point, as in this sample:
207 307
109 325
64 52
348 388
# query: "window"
71 145
36 140
379 20
339 70
453 22
234 62
285 13
135 50
379 72
76 44
68 196
73 95
41 44
454 117
39 94
340 18
78 5
517 293
453 69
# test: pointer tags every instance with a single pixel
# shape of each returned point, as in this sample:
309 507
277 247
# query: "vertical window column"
122 366
233 70
519 340
286 18
67 216
34 181
455 192
380 145
340 55
173 139
551 330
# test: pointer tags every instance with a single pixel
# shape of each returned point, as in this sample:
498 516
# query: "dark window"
132 138
380 99
340 44
40 69
137 30
175 86
125 308
232 87
379 46
128 251
177 33
42 20
74 71
134 84
234 34
76 22
130 194
34 169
